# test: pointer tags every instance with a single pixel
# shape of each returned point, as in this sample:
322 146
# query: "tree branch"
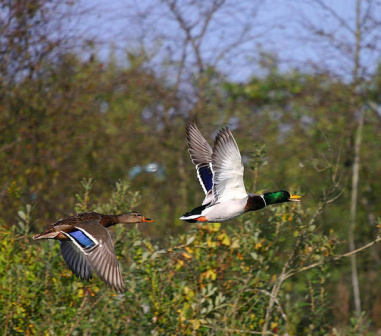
333 258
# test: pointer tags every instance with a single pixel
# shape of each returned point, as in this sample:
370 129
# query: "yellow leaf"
210 242
226 241
215 227
190 295
196 324
182 317
179 264
210 274
149 246
235 244
95 289
273 325
186 255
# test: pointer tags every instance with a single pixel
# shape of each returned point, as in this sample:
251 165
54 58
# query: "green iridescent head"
280 196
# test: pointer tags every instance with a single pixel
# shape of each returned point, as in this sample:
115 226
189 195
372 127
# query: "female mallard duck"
86 244
220 172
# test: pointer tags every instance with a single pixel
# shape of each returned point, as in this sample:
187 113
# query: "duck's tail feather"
46 235
193 215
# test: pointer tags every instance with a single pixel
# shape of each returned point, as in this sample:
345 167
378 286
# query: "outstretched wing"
227 168
76 260
95 242
201 155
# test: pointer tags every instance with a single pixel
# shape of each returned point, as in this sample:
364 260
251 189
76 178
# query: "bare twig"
273 296
278 304
355 181
333 258
334 14
356 168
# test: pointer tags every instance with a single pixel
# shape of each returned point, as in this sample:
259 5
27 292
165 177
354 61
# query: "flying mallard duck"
86 244
220 172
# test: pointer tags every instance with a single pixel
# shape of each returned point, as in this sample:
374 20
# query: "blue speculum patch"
206 177
82 239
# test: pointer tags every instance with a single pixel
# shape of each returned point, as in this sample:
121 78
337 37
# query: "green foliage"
212 280
63 118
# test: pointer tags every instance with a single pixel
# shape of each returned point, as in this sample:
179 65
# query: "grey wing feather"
201 155
76 260
102 257
199 149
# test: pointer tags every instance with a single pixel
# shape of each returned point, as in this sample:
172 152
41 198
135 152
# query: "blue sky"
291 29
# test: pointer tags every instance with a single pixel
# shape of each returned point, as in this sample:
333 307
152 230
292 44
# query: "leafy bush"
213 280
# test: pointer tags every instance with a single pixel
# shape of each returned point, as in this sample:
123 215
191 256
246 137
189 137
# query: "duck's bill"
294 198
147 220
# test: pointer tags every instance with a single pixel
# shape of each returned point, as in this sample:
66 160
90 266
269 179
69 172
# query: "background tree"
354 41
68 114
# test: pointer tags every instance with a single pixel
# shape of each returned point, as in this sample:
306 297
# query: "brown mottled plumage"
86 244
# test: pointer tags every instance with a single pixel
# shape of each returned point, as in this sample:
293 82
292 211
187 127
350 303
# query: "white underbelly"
222 212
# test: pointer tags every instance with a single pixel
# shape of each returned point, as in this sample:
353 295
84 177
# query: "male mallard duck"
86 244
220 172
